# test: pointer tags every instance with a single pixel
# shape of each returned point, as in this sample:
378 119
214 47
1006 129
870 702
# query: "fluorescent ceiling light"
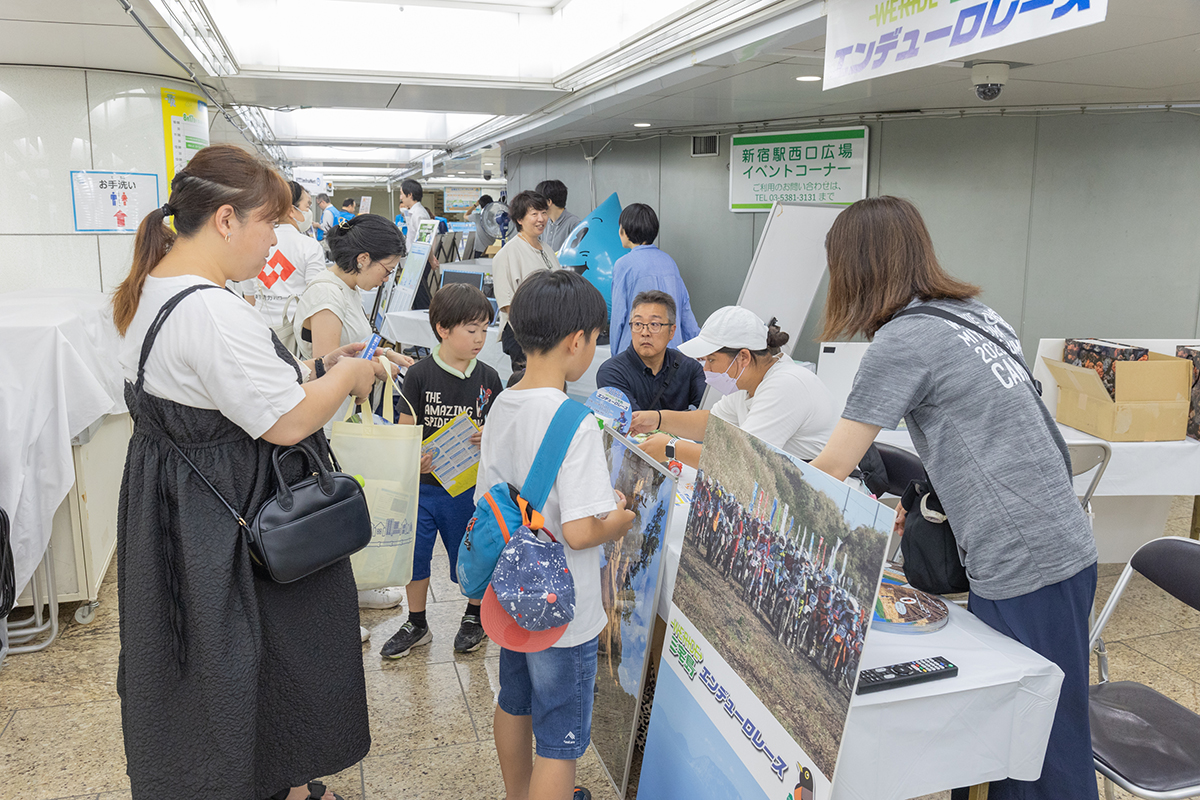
192 24
337 125
641 124
488 164
809 78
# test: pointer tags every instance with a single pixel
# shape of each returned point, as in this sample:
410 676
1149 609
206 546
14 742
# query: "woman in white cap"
765 393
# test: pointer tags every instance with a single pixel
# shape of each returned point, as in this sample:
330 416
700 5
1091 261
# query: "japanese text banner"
870 38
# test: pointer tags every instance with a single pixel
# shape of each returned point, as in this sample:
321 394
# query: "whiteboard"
788 264
836 367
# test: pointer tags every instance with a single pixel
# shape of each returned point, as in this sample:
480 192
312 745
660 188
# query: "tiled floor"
431 713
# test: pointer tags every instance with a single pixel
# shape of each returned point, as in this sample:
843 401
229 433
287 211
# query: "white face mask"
723 382
306 219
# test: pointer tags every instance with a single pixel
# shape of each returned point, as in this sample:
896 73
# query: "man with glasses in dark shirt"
652 375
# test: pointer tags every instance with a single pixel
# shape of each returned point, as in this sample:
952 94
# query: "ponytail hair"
218 175
367 233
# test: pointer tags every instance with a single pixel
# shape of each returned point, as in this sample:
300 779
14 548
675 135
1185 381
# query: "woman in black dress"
232 686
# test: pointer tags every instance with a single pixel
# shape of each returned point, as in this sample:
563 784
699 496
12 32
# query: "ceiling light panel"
351 155
373 37
191 22
371 125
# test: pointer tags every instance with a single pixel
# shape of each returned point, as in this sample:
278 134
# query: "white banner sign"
869 38
814 166
112 202
313 182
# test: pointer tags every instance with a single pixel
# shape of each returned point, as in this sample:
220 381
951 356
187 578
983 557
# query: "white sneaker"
364 633
388 597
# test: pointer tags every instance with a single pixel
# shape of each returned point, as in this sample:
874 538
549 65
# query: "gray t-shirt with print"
990 446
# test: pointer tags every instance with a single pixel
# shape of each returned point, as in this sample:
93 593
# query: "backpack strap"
552 451
934 311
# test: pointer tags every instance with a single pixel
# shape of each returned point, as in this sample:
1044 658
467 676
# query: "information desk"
65 432
990 722
412 328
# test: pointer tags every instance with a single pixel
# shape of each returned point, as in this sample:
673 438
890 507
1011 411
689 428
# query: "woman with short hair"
995 455
521 257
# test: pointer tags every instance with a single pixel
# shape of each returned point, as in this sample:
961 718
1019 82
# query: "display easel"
414 267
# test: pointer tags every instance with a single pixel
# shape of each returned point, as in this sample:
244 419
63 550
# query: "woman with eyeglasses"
765 393
366 251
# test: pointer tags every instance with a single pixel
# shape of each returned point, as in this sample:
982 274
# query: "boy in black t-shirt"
447 383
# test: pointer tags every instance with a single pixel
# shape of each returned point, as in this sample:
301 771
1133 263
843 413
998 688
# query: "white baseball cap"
731 326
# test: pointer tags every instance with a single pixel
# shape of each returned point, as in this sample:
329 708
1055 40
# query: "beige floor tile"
1104 571
76 670
1179 651
590 773
443 618
935 796
63 751
480 680
124 794
1127 664
462 772
418 707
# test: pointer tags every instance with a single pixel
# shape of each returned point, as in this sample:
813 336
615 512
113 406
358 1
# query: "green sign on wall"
827 165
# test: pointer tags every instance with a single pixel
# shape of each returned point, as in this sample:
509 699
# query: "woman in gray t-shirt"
991 448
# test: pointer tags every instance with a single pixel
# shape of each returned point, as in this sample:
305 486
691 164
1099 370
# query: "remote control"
927 669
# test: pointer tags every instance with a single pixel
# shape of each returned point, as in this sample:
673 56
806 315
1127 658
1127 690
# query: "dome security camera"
988 80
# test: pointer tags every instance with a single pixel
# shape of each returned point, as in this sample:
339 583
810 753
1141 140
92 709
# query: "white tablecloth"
412 328
990 722
1136 468
59 362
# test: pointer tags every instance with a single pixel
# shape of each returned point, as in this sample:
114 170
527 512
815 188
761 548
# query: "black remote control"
927 669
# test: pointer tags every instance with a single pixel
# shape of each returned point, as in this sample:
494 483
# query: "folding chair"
1146 743
1086 457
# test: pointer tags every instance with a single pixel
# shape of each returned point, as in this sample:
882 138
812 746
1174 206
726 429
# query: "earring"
228 238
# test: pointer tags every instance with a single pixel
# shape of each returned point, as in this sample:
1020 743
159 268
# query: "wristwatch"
671 448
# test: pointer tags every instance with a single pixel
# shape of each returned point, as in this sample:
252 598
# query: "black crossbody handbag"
931 556
307 525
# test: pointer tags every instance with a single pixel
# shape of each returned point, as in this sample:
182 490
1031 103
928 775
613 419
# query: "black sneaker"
405 639
581 794
470 635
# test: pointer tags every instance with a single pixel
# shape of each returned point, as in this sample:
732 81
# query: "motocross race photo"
779 570
631 568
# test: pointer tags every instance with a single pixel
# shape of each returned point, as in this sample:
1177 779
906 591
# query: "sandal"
316 790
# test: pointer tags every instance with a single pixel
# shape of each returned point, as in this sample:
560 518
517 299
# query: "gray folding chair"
1146 743
1085 457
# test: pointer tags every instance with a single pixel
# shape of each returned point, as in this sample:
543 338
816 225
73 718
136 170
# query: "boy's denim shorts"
555 687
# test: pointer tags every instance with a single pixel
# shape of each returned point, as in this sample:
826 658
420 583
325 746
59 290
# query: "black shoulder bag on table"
931 560
308 525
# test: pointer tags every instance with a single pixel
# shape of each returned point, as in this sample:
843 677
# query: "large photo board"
630 579
777 581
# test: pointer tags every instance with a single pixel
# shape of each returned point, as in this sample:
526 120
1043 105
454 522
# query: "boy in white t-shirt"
557 317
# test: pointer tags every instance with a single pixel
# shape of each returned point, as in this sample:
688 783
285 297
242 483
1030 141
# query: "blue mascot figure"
595 245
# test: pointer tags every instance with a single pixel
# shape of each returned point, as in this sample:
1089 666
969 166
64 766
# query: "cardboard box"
1151 403
1192 354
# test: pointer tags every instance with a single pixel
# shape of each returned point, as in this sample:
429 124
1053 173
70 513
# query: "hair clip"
344 224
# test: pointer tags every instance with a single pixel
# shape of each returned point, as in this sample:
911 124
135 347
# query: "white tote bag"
388 460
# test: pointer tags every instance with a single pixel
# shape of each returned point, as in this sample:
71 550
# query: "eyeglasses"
653 327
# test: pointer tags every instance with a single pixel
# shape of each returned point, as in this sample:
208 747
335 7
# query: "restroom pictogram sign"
112 202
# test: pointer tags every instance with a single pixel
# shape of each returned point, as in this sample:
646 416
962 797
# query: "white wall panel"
116 257
127 126
44 135
60 261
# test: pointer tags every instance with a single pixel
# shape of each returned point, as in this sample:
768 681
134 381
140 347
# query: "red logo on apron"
277 268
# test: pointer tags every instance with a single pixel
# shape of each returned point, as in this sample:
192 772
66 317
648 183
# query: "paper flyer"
455 459
778 574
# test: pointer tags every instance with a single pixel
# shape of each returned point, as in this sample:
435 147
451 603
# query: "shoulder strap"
156 326
552 451
933 311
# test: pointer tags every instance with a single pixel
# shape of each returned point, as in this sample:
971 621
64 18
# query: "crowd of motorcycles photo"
800 598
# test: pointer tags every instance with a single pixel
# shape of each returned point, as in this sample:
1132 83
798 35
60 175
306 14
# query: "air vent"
704 146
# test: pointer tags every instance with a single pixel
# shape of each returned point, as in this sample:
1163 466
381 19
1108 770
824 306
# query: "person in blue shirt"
652 375
645 268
